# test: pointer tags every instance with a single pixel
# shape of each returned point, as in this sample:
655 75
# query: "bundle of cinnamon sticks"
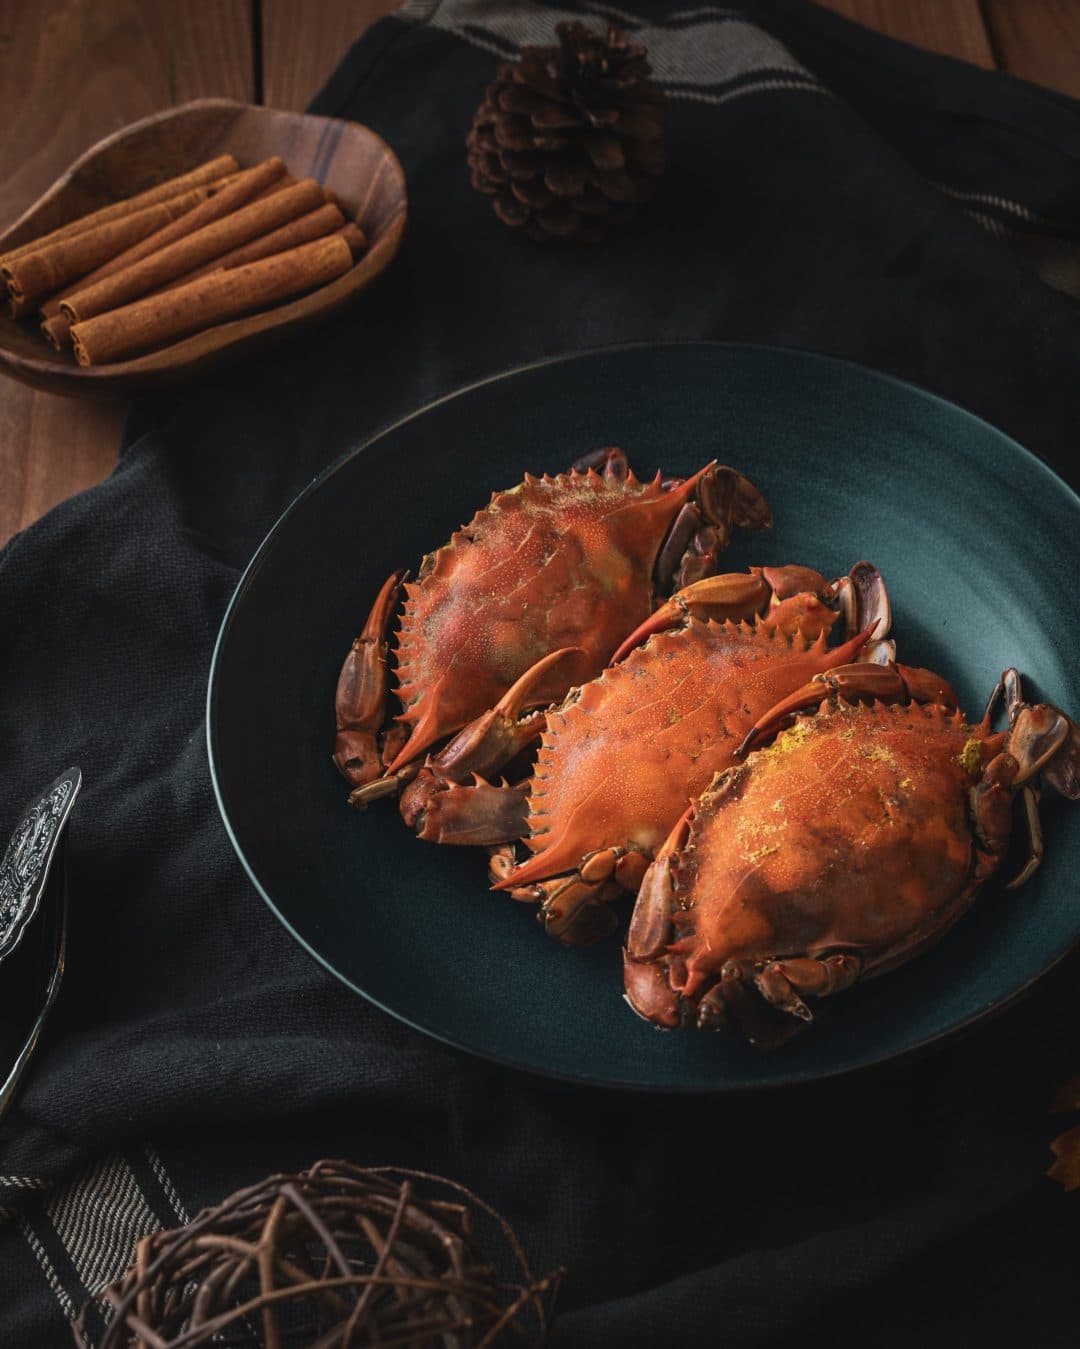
210 245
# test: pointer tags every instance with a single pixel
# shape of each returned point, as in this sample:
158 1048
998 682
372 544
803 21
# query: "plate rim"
723 1086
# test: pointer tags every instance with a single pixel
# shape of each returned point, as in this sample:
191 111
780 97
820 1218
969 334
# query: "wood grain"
72 71
50 448
1037 40
302 43
948 27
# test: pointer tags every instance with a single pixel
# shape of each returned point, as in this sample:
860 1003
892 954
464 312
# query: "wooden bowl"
346 157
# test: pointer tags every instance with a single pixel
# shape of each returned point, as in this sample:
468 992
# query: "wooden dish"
346 157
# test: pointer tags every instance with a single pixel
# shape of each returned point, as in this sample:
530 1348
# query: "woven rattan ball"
337 1255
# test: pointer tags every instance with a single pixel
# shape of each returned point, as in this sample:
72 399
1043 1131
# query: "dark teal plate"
977 540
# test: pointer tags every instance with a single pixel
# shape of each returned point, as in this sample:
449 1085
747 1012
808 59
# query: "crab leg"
867 682
575 907
690 545
1009 688
1042 739
360 702
729 999
576 911
782 981
723 500
1035 839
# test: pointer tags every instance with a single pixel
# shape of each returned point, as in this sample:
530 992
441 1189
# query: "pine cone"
570 140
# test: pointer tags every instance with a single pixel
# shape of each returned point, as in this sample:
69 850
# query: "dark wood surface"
72 71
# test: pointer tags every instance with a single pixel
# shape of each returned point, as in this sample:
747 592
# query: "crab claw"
734 595
648 992
793 580
728 499
862 681
650 925
864 603
924 686
360 699
1041 737
1063 770
493 739
1044 740
455 813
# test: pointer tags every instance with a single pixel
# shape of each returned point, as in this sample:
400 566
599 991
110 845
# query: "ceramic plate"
855 465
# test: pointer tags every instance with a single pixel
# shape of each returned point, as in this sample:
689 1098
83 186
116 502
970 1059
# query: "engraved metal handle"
32 879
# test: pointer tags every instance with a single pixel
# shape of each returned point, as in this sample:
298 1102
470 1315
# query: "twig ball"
333 1256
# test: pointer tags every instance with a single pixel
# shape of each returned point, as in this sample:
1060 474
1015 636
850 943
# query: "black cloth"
826 189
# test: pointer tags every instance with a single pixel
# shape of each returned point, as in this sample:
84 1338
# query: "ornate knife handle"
32 878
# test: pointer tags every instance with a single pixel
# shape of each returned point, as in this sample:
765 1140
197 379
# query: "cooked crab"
843 849
574 561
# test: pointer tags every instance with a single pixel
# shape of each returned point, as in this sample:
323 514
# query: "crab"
622 755
574 561
841 850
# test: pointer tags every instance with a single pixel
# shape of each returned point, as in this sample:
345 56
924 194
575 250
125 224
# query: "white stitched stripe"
1002 203
705 12
167 1187
993 227
24 1182
754 87
99 1217
680 55
66 1304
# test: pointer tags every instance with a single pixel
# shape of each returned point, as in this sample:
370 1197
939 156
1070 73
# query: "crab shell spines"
622 755
554 562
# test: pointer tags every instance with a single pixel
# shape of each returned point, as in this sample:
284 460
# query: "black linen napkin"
825 189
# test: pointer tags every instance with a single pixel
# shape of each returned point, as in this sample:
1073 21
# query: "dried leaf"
1066 1169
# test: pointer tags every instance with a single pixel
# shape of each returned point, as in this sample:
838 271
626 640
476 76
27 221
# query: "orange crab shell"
555 562
851 833
621 758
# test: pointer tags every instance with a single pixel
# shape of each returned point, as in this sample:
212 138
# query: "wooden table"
71 71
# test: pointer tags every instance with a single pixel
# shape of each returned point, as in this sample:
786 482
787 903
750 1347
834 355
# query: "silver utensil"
33 879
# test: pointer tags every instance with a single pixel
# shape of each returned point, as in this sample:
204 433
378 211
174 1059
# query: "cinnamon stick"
57 330
161 319
355 237
42 270
243 188
327 219
183 256
209 172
